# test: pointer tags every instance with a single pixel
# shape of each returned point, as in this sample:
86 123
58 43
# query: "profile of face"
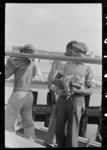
77 53
69 52
31 59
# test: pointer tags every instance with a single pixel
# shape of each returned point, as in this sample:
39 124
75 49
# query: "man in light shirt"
69 109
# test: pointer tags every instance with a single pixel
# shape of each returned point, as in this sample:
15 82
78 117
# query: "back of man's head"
28 48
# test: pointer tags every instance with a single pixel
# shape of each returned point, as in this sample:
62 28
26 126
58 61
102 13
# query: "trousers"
20 102
50 135
68 115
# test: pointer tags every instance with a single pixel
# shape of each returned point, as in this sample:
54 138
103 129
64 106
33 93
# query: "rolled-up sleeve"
9 69
90 77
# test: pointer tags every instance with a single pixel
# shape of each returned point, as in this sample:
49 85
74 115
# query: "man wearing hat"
69 109
21 99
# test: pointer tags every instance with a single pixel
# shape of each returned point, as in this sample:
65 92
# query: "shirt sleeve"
34 70
51 75
64 70
9 69
90 77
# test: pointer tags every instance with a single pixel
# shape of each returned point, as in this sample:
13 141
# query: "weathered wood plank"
14 141
41 132
82 141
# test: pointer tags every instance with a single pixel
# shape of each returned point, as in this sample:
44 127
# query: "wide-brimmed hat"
27 48
81 46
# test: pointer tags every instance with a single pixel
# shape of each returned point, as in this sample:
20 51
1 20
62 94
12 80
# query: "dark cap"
28 48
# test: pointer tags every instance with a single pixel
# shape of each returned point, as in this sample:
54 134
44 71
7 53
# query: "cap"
27 48
69 47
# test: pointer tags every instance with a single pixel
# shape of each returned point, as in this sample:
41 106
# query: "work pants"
20 102
50 135
68 111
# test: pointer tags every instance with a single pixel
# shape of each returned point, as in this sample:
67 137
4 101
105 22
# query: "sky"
51 26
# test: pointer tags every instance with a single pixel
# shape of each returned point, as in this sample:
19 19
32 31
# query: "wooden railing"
57 58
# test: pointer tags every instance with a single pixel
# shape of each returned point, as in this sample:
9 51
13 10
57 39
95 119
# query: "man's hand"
75 90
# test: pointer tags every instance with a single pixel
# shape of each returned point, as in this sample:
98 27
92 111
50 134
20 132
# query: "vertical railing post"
35 97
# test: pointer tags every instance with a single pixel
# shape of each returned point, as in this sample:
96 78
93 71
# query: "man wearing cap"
21 99
69 109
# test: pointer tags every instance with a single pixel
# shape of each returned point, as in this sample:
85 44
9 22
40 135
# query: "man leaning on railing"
21 99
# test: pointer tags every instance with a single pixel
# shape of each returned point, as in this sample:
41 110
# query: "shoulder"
10 61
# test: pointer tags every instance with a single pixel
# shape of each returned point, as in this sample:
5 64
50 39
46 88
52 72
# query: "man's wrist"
81 91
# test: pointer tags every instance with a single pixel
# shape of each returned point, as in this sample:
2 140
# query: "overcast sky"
52 26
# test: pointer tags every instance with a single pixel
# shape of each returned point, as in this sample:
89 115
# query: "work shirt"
82 73
57 67
23 70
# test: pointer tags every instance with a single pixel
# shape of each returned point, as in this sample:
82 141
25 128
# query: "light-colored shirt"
82 73
56 67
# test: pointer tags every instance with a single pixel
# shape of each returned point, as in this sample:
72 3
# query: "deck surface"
14 141
18 141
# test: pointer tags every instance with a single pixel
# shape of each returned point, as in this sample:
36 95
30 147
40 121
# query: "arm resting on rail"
9 69
87 91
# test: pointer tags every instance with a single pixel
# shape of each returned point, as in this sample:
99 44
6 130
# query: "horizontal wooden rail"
56 57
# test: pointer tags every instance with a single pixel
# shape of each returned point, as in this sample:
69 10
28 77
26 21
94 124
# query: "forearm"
50 86
9 69
7 72
87 91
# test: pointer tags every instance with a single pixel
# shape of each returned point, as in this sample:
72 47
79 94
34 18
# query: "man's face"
76 52
69 52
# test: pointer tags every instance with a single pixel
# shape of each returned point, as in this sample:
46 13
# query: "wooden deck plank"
83 142
14 141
